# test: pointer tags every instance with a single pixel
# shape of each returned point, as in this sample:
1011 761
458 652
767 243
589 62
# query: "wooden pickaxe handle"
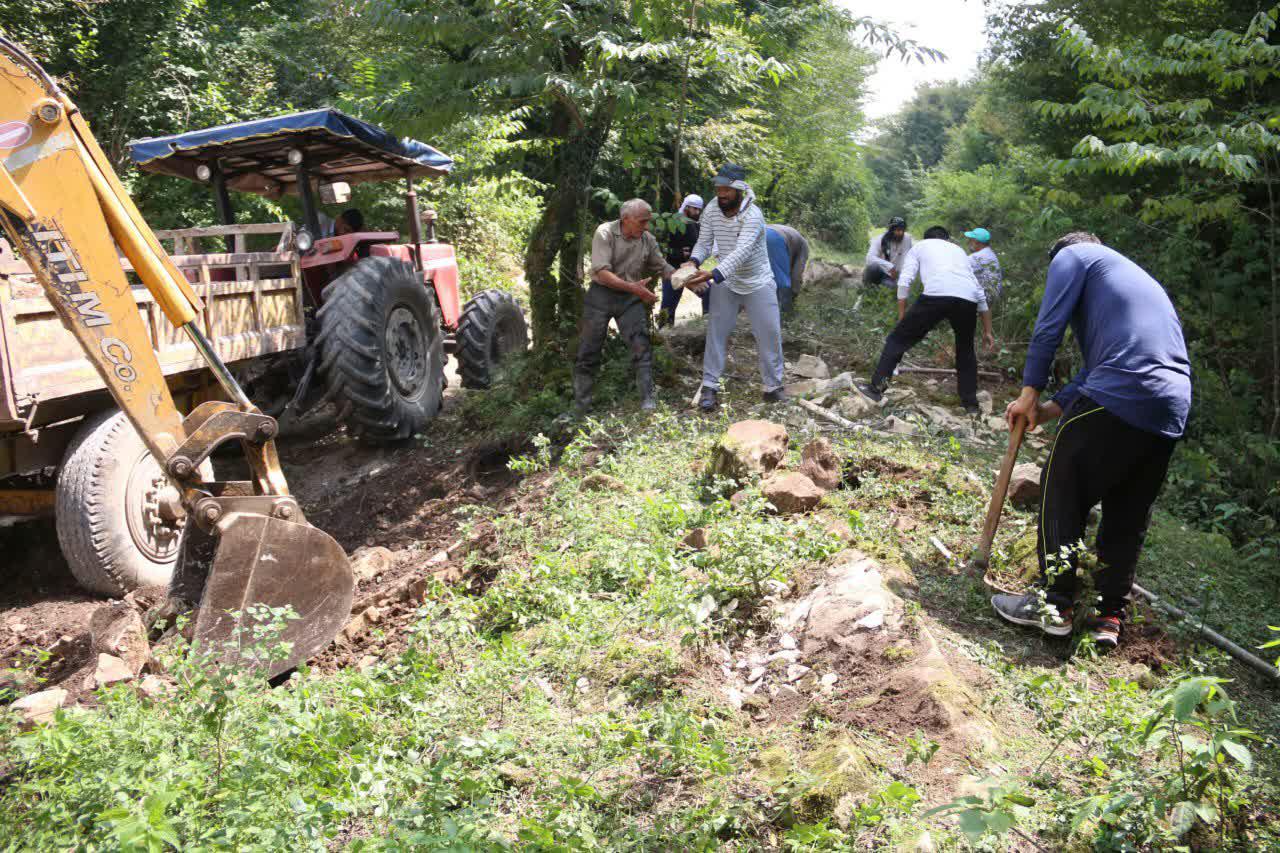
983 554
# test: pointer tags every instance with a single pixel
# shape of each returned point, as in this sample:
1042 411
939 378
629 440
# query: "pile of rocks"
752 450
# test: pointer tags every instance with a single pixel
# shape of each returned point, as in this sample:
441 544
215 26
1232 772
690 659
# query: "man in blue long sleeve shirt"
1122 415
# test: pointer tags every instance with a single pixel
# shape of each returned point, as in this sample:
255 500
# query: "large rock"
791 492
855 406
898 426
368 563
811 367
111 669
820 387
117 630
39 707
1024 485
941 418
821 464
749 448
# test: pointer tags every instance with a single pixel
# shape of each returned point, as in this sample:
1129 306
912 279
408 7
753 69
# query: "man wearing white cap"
679 248
734 230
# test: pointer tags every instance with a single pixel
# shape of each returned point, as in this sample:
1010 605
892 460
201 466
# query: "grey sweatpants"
762 310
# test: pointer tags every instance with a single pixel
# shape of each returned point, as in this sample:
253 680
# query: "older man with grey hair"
624 261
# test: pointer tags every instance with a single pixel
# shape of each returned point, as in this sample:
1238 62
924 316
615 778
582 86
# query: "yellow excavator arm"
65 211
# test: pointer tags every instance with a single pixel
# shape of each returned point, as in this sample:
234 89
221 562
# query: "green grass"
575 701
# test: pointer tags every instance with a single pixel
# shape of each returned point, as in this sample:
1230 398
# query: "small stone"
997 424
39 707
111 669
855 406
1024 485
756 674
117 629
786 691
829 680
599 482
796 671
787 641
372 615
367 663
154 687
786 656
898 426
696 539
985 403
515 775
735 697
811 367
791 493
368 563
871 621
821 464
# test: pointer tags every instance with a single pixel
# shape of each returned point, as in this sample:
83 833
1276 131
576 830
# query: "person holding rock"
1121 416
742 279
951 294
624 260
680 245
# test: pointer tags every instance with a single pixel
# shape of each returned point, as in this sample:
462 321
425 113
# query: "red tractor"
380 315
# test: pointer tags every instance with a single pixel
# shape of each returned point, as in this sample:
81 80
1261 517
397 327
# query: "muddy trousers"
632 316
1098 458
766 326
925 314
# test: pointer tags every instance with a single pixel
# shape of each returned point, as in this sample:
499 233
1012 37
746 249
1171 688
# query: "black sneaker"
1025 610
1105 631
708 402
777 395
871 392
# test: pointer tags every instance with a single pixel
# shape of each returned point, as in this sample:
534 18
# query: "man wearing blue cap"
985 264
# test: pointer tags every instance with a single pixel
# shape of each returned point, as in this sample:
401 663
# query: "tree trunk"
556 300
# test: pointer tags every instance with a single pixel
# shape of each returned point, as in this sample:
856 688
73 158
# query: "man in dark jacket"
1121 417
679 248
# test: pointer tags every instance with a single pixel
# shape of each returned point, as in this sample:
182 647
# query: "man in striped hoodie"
734 229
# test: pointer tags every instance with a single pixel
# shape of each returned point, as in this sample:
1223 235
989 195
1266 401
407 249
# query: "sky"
956 27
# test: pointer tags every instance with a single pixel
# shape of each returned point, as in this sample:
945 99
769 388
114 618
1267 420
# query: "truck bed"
253 307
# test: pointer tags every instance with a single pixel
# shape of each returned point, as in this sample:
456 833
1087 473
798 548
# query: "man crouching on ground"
624 260
1122 415
743 279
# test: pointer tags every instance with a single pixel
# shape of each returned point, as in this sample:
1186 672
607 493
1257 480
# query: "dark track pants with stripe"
1098 458
924 314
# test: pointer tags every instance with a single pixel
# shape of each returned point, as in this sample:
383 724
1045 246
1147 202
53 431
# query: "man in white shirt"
985 264
885 255
951 293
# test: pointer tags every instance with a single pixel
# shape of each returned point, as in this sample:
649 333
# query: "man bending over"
1122 415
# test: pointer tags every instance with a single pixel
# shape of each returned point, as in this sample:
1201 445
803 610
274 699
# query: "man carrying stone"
951 294
1121 415
735 228
624 260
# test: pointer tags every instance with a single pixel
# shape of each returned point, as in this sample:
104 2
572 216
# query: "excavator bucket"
66 212
262 566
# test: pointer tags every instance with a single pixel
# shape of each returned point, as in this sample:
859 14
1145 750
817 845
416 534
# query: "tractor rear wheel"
381 349
492 328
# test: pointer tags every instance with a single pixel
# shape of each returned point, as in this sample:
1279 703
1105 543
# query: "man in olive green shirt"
625 258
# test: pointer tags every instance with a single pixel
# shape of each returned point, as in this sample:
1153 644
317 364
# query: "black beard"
728 208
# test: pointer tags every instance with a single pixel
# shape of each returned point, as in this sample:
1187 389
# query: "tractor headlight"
203 172
303 241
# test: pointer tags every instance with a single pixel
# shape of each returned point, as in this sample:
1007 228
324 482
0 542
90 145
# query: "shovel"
982 557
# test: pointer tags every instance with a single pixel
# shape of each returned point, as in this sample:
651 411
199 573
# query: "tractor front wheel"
382 350
492 329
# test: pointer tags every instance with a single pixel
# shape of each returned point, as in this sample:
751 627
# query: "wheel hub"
151 533
406 351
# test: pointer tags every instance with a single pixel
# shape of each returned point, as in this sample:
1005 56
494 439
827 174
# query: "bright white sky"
956 27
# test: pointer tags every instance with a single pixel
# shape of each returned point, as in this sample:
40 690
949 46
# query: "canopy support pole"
415 219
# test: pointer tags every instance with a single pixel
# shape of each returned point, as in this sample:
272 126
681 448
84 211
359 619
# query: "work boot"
777 395
708 402
582 394
644 380
871 391
1027 610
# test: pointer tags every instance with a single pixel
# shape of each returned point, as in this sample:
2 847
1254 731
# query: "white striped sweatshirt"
738 243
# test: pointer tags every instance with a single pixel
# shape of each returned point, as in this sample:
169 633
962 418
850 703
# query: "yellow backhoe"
244 543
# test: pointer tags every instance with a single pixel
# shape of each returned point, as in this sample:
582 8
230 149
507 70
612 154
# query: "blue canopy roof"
253 155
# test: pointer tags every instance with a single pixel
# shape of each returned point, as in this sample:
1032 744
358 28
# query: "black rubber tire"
492 327
384 391
98 529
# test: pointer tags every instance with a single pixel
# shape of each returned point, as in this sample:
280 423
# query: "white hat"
693 200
